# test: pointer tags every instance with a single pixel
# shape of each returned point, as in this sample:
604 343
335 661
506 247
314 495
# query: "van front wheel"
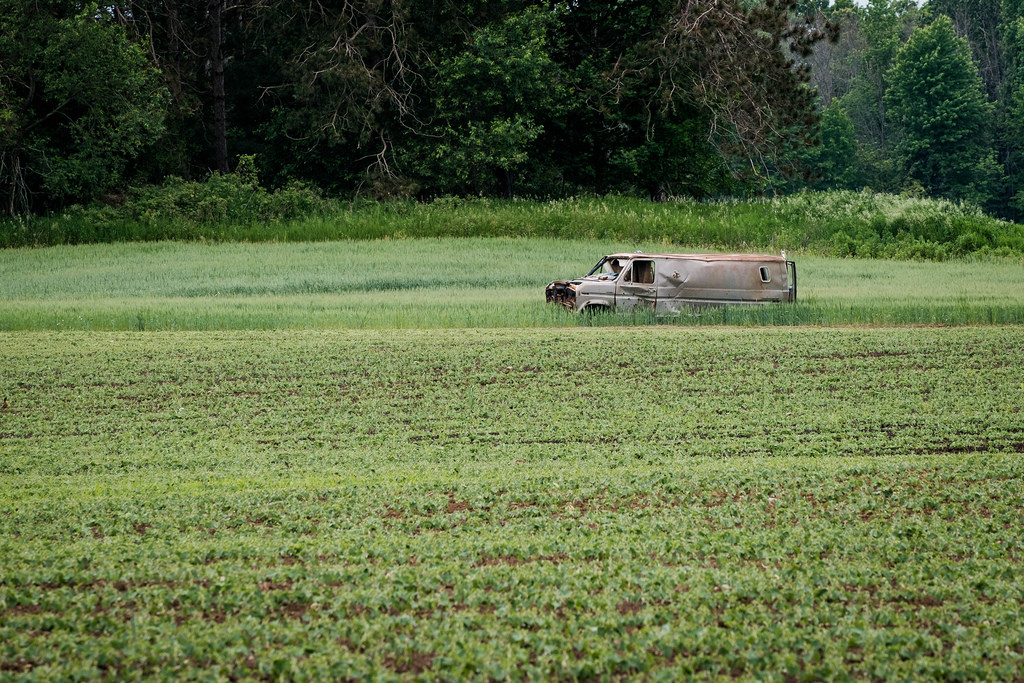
594 314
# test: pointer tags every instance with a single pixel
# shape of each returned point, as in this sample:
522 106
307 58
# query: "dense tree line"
924 100
420 98
396 98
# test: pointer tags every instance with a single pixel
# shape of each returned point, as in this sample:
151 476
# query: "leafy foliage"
1012 133
514 85
507 98
833 162
223 199
405 99
859 72
936 97
233 208
811 503
78 102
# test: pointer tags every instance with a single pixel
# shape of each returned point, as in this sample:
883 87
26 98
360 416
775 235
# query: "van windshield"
607 266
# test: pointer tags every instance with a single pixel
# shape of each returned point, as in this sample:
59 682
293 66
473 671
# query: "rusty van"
671 283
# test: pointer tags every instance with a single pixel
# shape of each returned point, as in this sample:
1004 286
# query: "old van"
670 283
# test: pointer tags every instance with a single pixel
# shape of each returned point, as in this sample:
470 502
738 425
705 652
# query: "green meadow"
444 283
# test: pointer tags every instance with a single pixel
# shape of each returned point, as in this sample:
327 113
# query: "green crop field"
480 487
573 503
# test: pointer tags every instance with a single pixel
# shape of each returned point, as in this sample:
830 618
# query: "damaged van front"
596 289
669 283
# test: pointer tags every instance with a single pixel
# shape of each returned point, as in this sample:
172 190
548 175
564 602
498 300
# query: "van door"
635 286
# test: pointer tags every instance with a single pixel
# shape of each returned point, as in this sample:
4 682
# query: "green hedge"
235 207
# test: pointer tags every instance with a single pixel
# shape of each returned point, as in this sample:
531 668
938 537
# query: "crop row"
585 503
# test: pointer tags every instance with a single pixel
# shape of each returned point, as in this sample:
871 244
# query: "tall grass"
444 283
861 224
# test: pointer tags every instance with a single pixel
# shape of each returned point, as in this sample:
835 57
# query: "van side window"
765 275
643 272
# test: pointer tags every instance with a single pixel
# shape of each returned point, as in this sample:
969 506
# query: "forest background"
114 105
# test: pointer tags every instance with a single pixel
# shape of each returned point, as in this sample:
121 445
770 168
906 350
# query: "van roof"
700 257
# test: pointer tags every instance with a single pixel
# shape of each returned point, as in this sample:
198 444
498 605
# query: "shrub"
234 207
219 207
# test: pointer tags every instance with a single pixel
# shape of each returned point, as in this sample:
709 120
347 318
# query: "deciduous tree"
1011 134
716 80
78 102
936 97
834 162
493 97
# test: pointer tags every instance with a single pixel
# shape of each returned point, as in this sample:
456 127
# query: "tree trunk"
220 119
18 194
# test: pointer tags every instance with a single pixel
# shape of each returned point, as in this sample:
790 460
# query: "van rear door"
791 271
